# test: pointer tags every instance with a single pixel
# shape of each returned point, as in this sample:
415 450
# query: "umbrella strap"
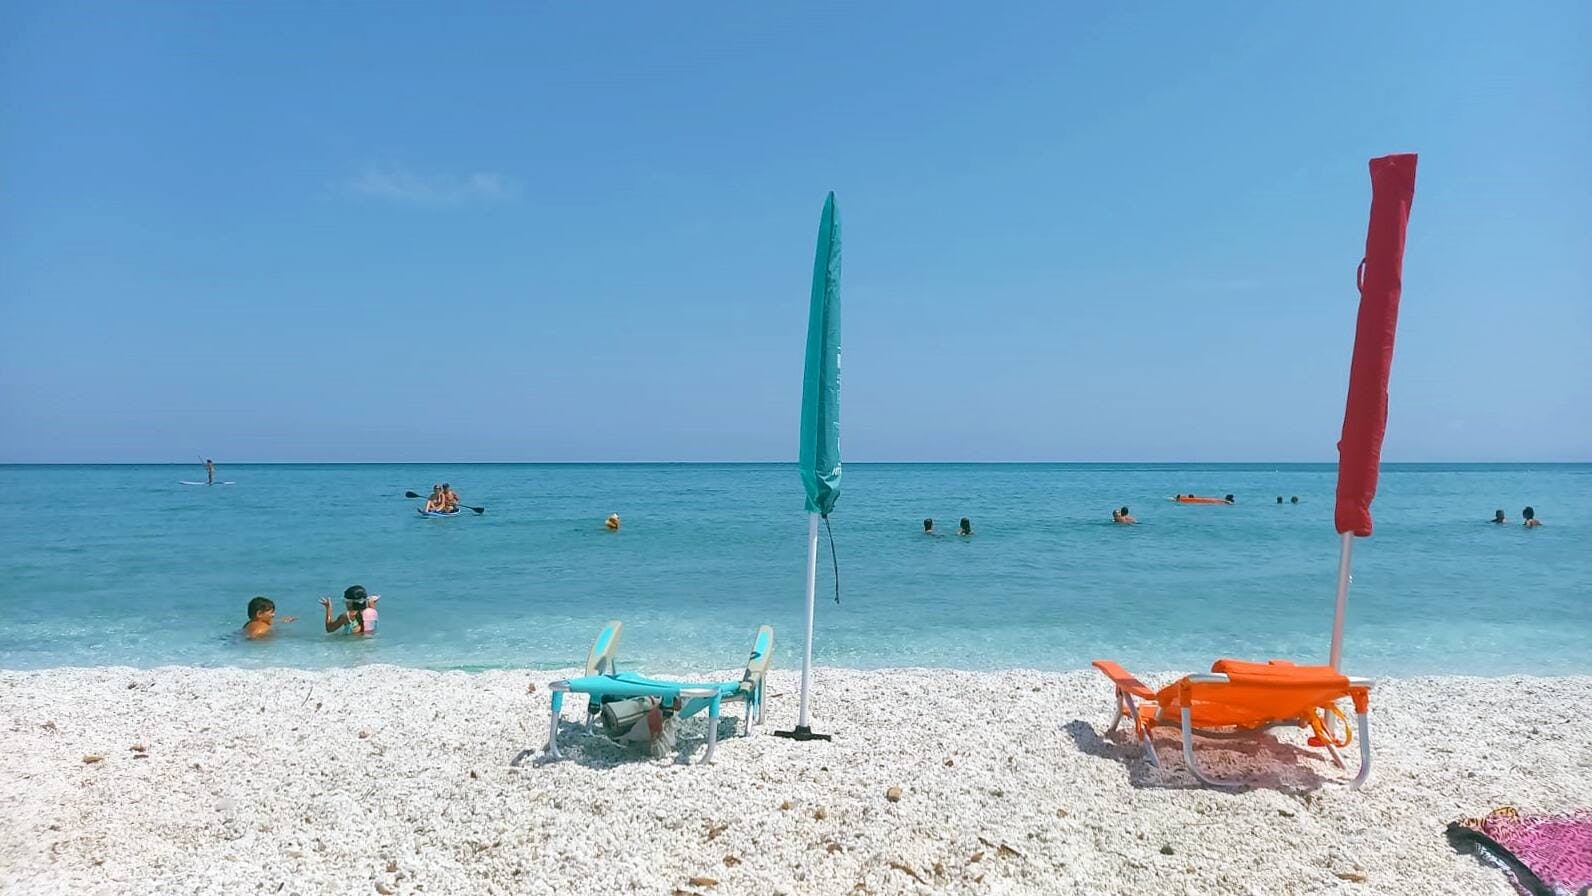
832 557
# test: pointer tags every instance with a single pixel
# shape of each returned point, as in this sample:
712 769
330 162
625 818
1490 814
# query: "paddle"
476 509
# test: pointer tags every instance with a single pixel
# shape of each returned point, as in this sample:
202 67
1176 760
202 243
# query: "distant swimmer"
359 612
1279 499
210 472
1530 517
262 615
612 522
1228 499
1293 500
1498 518
966 527
928 526
1123 517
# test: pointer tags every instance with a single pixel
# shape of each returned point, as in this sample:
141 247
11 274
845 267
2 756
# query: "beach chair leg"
1365 752
1194 766
748 721
1124 707
1149 752
552 728
713 729
1337 758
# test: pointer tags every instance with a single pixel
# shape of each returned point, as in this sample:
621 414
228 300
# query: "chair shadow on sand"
596 750
1264 763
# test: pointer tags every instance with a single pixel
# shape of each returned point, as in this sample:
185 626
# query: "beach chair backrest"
762 654
603 650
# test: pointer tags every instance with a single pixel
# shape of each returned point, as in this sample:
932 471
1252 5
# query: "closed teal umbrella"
820 440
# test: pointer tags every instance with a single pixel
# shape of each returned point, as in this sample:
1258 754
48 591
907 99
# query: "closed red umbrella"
1365 415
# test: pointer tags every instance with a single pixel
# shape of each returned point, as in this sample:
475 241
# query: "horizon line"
639 463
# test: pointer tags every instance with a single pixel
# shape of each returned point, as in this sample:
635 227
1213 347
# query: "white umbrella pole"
1343 598
812 587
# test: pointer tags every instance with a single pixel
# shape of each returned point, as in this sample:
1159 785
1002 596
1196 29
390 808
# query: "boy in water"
966 527
262 613
1122 516
928 526
1530 517
359 613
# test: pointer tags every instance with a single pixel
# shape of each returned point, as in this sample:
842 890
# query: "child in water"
359 613
262 614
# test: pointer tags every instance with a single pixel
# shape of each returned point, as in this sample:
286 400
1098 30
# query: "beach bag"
640 721
619 716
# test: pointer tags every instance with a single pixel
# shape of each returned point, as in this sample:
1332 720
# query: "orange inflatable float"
1201 499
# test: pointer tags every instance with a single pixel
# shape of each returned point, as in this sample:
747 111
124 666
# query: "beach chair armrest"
1124 681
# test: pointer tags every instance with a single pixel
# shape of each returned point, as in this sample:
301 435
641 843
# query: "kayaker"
450 499
436 502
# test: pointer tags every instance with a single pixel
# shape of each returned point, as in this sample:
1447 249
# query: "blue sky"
305 232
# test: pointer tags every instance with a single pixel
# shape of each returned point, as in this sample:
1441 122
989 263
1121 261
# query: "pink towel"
1544 855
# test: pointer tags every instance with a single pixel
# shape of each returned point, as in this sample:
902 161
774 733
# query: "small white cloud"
395 183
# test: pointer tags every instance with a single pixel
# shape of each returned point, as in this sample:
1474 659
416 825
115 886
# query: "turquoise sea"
108 565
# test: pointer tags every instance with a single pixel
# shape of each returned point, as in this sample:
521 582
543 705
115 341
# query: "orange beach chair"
1236 699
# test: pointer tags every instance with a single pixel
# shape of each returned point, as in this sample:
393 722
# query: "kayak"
428 513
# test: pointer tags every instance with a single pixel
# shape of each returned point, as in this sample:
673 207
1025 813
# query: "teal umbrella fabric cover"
820 448
820 445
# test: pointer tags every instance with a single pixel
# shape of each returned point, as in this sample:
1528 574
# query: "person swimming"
359 612
1530 517
612 522
1123 516
1498 518
1294 500
1279 499
966 527
928 526
1228 499
262 614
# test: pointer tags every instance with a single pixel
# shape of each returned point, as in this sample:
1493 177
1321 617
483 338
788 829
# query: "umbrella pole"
1343 597
803 731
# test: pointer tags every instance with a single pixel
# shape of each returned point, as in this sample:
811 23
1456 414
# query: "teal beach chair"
603 682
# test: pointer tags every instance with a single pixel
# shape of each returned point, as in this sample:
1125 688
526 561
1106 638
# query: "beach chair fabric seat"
1237 698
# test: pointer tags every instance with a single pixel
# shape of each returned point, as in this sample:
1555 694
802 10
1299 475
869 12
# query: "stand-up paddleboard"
186 482
430 513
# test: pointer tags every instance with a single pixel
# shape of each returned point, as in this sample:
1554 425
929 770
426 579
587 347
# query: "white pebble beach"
391 780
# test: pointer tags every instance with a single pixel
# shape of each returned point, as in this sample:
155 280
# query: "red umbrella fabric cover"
1380 280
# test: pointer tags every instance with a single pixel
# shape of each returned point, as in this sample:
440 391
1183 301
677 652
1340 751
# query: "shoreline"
386 779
